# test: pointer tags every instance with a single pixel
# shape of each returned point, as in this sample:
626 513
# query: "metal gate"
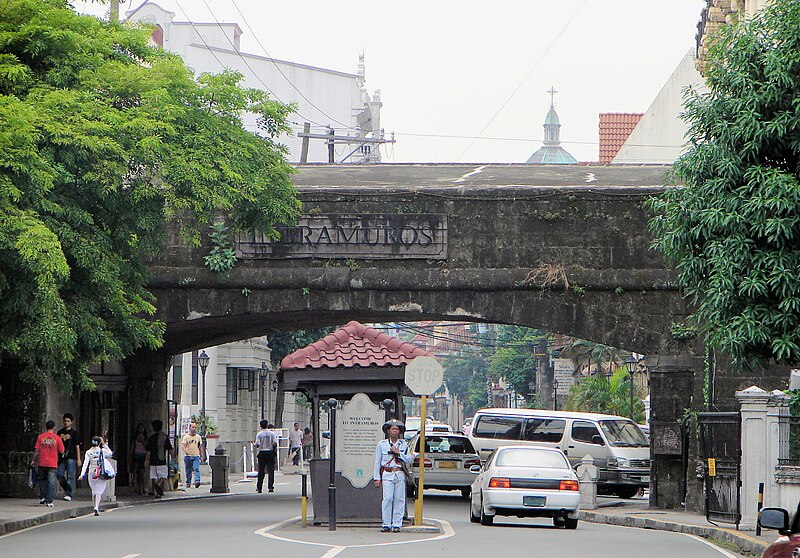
721 444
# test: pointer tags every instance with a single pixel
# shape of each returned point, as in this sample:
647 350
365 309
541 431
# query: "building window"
232 386
177 377
194 378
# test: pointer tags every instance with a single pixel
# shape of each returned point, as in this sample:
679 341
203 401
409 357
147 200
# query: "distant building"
551 153
716 14
615 127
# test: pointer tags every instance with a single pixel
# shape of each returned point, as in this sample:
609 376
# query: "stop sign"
424 375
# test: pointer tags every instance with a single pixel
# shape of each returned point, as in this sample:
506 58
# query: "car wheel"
485 519
466 492
626 491
558 522
472 517
570 523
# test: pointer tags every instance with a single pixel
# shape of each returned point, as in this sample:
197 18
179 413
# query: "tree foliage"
598 394
733 229
285 343
466 376
103 139
516 359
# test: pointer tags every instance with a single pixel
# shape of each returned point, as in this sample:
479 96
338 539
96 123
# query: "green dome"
552 118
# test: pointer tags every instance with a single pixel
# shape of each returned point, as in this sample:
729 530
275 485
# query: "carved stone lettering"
366 236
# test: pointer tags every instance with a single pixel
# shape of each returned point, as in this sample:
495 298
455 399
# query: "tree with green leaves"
586 353
465 375
517 357
732 228
598 394
103 140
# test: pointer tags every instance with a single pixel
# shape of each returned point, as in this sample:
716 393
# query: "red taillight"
499 482
470 462
569 485
428 463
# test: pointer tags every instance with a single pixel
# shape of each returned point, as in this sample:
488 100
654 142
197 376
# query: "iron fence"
788 439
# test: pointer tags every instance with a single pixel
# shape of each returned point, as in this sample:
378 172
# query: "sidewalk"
635 513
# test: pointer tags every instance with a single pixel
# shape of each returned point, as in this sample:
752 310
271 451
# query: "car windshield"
527 457
446 444
623 433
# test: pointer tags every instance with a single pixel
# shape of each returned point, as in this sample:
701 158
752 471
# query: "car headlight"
620 462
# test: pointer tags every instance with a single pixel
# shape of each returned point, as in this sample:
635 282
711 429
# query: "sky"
466 81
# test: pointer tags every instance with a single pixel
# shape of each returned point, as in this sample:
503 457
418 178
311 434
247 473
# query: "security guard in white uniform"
390 455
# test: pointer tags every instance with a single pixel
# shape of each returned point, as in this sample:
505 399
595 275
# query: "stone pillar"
755 460
587 476
671 392
147 377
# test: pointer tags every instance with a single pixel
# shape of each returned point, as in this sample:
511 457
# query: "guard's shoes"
96 512
395 529
385 529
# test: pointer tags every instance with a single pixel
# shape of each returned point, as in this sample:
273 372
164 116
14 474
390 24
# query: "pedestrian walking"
158 446
71 460
192 443
296 444
95 470
391 458
308 442
139 455
46 451
267 443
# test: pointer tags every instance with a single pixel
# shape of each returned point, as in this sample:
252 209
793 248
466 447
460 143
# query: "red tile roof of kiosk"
353 345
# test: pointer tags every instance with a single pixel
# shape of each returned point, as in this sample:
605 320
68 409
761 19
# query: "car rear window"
544 430
499 428
446 444
529 457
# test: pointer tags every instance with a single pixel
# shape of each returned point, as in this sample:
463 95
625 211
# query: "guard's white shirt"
383 458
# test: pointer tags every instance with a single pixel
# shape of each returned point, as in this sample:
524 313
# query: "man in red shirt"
45 455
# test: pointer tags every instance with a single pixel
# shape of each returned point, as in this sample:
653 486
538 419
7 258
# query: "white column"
753 401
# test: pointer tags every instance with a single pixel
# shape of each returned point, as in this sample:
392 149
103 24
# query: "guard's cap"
394 422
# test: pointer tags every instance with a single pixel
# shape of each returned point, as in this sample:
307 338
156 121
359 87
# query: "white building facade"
327 99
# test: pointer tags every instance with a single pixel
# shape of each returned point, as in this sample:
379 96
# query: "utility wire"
544 54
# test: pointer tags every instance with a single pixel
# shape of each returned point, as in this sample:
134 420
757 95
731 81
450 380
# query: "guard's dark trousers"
266 462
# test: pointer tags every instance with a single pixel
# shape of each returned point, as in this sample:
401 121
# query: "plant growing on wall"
222 257
211 426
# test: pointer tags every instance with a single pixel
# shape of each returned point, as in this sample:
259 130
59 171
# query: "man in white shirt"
296 444
390 456
266 442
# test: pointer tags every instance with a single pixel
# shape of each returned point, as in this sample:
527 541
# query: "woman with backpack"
97 470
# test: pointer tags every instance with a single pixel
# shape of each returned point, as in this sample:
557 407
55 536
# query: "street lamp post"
262 377
631 363
202 360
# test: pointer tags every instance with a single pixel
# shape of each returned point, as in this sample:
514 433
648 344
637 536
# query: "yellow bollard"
418 501
304 501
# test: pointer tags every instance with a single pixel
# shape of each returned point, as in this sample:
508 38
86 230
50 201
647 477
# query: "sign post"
424 376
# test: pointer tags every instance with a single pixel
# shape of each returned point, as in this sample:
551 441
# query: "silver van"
620 450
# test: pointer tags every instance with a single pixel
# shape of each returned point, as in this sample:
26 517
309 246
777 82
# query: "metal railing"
788 439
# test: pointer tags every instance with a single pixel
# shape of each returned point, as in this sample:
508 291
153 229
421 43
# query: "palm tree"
585 353
598 394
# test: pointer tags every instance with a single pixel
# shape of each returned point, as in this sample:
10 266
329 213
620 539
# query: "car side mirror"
475 469
774 518
598 440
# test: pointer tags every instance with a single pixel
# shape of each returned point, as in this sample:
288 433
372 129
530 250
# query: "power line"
545 53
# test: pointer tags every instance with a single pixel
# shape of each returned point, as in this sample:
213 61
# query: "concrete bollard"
587 476
219 471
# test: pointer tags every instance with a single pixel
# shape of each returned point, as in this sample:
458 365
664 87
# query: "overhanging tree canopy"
102 140
734 229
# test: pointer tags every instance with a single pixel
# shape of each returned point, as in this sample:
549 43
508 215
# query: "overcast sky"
474 68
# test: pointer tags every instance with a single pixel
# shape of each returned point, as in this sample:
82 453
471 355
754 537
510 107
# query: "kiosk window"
544 430
499 428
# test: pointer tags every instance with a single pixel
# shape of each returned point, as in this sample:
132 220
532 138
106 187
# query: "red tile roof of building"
615 127
353 345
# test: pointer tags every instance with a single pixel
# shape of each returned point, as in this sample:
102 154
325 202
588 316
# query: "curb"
8 527
745 543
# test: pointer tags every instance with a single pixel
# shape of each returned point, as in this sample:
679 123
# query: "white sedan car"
526 481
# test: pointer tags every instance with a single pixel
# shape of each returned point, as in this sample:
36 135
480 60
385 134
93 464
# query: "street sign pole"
418 502
424 376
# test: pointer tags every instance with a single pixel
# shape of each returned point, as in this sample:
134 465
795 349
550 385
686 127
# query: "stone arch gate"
563 249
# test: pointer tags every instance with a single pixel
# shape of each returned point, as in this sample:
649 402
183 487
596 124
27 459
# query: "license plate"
447 464
534 501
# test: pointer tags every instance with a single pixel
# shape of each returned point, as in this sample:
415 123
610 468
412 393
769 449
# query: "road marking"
131 555
712 545
336 549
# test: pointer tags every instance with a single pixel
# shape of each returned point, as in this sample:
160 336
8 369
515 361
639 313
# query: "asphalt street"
256 524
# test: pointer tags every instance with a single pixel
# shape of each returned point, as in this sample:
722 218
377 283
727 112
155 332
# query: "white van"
620 450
